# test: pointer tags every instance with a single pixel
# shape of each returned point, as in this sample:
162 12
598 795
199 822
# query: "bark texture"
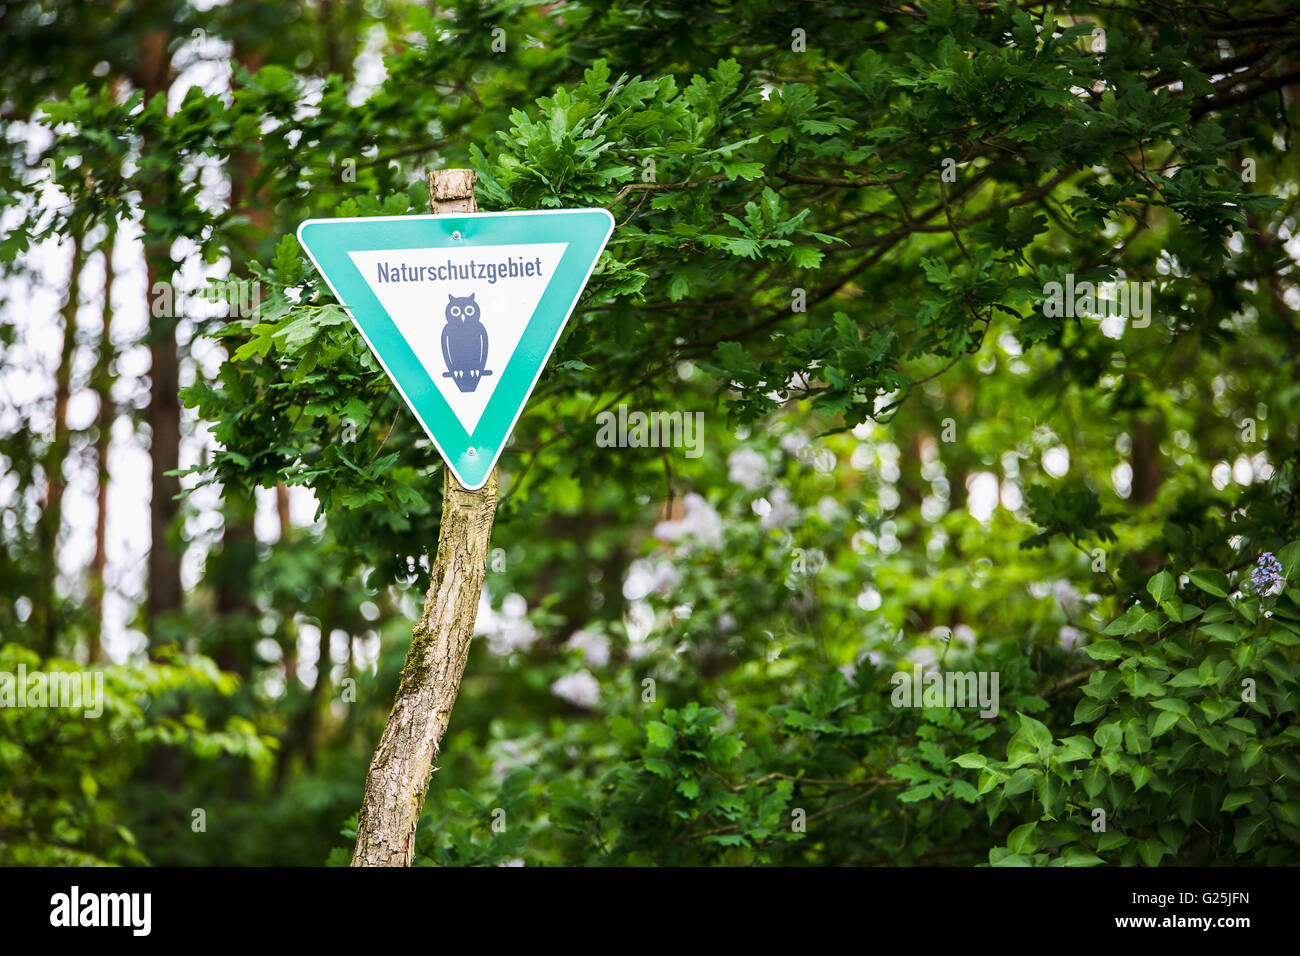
153 77
399 772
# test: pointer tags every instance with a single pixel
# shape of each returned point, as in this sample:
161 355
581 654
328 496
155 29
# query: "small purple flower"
1267 578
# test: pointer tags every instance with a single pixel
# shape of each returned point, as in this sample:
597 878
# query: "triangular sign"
461 311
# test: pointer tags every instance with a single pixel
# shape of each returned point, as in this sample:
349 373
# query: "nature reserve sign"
462 311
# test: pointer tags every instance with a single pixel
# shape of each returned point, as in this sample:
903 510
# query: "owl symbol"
464 343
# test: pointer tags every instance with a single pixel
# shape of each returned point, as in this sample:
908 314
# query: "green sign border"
471 457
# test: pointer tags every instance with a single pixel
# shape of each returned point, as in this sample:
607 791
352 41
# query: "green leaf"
1023 839
1108 736
1211 582
1001 856
1094 780
1173 704
660 768
1161 587
1038 733
1077 856
1238 798
1246 833
1076 747
660 734
1289 558
1022 780
1163 722
1104 650
1151 851
1223 631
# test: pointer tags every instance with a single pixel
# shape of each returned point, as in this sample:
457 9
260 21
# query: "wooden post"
399 772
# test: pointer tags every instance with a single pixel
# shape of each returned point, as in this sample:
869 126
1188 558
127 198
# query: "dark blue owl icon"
464 343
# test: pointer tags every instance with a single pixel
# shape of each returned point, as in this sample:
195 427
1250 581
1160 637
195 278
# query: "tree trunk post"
399 772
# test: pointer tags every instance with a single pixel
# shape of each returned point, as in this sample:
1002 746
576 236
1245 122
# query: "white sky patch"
1012 499
1121 477
1220 475
1243 473
369 67
1112 326
982 495
1056 461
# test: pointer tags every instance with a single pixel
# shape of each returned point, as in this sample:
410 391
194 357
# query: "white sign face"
462 310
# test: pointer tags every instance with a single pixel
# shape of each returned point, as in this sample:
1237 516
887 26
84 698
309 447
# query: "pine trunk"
51 521
102 382
153 77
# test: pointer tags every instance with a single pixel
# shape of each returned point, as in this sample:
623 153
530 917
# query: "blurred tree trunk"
51 520
282 510
1148 474
301 736
233 565
153 77
102 383
230 575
